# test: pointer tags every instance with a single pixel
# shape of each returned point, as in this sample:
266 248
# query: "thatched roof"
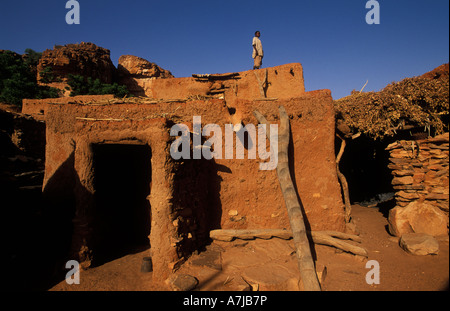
413 102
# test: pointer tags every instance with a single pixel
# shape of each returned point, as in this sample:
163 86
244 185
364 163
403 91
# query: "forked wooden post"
343 181
305 261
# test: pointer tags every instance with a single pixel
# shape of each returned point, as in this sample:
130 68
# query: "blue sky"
330 38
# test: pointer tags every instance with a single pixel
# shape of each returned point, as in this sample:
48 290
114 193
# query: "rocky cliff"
89 60
84 59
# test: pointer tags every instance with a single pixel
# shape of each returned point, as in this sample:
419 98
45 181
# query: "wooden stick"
364 86
303 250
261 90
228 235
266 99
329 238
93 119
325 239
339 235
343 181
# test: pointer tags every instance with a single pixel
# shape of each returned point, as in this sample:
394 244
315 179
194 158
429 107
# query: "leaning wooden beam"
261 119
329 238
343 181
303 250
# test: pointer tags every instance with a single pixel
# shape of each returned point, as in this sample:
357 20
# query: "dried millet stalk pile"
413 102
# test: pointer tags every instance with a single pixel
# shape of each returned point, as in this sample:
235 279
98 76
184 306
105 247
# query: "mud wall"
38 107
282 82
190 197
421 179
285 81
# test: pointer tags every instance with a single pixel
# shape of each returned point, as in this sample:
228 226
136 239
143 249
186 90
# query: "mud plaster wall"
70 176
285 81
223 194
38 107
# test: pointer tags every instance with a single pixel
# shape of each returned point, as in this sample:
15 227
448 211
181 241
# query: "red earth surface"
271 265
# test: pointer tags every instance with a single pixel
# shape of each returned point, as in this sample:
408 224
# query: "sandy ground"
271 265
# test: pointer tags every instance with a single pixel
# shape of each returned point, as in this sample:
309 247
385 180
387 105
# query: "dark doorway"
122 181
365 166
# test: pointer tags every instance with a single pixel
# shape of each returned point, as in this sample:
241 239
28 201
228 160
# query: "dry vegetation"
412 102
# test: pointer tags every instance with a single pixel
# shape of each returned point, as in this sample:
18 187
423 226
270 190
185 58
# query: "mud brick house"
108 164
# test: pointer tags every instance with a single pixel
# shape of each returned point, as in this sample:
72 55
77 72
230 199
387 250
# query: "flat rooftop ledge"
279 82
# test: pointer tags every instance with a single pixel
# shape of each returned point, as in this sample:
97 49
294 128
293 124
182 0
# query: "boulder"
418 217
138 67
182 282
419 244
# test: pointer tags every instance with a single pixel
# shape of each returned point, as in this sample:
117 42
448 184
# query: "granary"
110 171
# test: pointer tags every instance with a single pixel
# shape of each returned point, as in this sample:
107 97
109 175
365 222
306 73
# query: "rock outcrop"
136 73
89 60
84 59
137 67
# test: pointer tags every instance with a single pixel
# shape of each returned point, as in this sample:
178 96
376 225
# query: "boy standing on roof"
258 52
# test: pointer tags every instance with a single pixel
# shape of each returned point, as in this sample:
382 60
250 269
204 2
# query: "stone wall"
420 172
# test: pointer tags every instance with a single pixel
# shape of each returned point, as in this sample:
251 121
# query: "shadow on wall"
116 221
39 230
110 227
197 208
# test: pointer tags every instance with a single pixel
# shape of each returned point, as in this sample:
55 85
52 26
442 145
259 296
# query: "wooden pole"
343 181
305 261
